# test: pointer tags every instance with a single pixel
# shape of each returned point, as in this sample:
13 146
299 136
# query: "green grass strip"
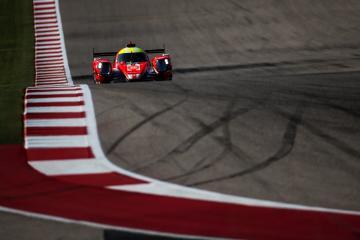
16 65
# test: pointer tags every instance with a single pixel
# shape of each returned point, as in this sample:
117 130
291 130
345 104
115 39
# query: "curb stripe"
73 99
54 95
52 84
69 167
54 109
47 92
53 71
45 26
51 79
50 76
55 81
54 115
72 122
46 154
57 104
55 131
44 8
56 141
101 179
58 83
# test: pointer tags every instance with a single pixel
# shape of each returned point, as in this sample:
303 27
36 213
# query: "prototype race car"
130 64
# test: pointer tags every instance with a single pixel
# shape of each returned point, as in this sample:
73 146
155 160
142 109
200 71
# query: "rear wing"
103 54
107 54
152 51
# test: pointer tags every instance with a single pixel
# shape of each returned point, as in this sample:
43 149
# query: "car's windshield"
132 57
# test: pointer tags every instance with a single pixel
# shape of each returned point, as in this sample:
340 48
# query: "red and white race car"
131 63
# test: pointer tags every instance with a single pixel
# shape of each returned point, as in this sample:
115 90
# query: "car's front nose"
133 71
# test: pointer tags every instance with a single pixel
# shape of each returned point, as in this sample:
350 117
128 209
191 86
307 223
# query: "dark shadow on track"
121 235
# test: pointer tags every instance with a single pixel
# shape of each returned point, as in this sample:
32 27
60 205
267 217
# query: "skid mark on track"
225 141
288 142
333 141
336 142
203 165
197 136
351 112
342 146
238 6
134 107
141 123
198 168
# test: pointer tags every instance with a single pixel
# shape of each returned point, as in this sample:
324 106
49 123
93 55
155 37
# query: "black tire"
94 79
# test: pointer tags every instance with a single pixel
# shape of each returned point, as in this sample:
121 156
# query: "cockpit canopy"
133 57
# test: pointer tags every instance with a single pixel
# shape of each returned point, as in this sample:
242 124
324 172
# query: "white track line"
52 84
48 53
45 46
69 167
55 79
60 99
54 88
49 72
37 44
51 80
47 32
49 38
46 15
54 93
50 4
42 22
37 11
53 66
50 76
60 83
67 122
44 1
47 25
41 75
56 141
54 109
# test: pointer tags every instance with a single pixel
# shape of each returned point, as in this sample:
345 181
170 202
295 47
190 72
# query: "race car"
130 64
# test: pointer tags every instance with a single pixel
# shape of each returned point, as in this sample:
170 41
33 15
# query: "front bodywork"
132 63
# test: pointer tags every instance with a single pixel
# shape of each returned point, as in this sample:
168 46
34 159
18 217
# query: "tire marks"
288 142
142 123
205 130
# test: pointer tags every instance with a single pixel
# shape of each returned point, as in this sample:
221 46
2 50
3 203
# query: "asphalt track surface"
255 108
264 101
